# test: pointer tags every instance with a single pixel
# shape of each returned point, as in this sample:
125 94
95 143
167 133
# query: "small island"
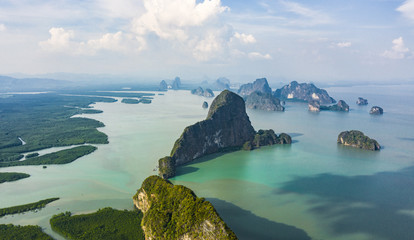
175 212
12 176
130 101
203 92
362 101
205 105
357 139
315 106
375 110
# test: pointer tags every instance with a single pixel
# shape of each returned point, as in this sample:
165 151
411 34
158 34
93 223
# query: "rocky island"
258 95
303 92
260 85
226 128
341 106
362 101
175 212
375 110
263 101
201 92
357 139
205 105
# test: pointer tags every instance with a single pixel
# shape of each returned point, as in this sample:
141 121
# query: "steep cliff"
357 139
260 85
227 126
263 101
303 92
175 212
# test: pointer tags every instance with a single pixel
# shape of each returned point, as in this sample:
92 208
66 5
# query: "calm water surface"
313 188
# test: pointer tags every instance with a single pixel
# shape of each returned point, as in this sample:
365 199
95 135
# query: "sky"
282 40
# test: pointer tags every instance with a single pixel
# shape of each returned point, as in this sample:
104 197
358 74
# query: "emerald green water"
328 191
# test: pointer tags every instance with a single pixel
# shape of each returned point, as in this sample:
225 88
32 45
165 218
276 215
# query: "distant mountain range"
10 84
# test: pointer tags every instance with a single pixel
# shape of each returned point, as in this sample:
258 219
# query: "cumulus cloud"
2 27
398 50
60 40
407 9
169 18
344 44
257 55
245 38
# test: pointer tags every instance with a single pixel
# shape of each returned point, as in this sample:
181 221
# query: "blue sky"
319 41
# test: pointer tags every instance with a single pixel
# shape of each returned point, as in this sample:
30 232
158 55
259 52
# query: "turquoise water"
324 190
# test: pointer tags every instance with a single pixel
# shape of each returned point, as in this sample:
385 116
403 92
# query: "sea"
311 189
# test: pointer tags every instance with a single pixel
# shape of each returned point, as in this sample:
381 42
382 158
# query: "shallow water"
329 191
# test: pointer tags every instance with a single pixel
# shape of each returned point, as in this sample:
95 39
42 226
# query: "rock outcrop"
375 110
341 106
176 83
314 106
303 92
226 128
163 86
263 101
357 139
267 138
175 212
201 92
260 85
362 101
205 105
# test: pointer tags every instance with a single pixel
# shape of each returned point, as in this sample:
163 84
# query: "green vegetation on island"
31 122
12 176
175 212
31 155
267 138
10 231
130 101
26 207
60 157
106 223
357 139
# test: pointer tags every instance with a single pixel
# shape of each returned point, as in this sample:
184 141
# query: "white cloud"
398 50
344 44
309 16
170 19
2 27
257 55
245 38
407 9
60 40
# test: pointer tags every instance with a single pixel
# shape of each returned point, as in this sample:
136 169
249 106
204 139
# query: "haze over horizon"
317 41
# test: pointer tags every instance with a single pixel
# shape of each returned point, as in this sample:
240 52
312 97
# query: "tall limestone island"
258 95
226 128
303 92
175 212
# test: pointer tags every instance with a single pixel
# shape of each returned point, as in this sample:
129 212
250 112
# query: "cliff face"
357 139
263 101
303 92
260 85
227 126
175 212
